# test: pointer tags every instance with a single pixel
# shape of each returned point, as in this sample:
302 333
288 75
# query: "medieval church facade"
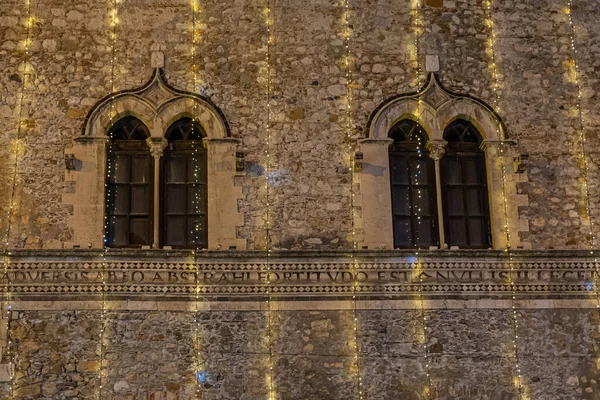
283 199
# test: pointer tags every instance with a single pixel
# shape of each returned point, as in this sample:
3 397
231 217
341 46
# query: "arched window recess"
460 130
174 123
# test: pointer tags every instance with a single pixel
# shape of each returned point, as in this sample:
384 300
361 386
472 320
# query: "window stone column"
157 146
375 197
437 149
223 214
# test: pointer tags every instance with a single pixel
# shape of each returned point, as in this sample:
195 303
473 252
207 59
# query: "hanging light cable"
518 381
7 306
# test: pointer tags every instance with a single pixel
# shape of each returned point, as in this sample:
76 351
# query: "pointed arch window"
413 187
464 184
129 188
184 207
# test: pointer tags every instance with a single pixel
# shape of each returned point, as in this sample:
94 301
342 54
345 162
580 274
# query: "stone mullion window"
484 188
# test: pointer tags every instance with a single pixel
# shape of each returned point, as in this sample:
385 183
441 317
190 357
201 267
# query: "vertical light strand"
113 22
518 379
271 395
583 158
26 68
197 228
349 64
416 208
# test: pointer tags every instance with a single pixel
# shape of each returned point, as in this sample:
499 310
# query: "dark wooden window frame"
185 141
461 152
130 149
405 147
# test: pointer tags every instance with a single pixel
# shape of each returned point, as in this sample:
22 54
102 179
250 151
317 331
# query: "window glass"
414 206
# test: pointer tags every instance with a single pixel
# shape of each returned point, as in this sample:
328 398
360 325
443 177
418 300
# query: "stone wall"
150 355
71 55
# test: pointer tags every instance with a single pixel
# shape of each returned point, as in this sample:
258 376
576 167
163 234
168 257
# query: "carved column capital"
437 149
157 145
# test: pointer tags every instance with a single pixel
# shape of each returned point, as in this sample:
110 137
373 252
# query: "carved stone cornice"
142 274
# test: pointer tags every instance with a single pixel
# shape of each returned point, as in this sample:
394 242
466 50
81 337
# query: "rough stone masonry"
149 346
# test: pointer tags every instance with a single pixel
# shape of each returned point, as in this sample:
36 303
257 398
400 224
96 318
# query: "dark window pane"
455 200
454 171
421 201
176 169
399 170
176 228
120 199
458 234
119 230
120 169
401 200
140 169
196 230
176 199
197 169
474 202
196 199
423 232
477 233
139 200
139 231
418 171
471 171
402 232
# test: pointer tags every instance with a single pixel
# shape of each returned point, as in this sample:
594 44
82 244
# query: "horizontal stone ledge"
193 306
275 255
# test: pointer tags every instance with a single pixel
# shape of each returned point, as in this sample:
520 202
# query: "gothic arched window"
464 184
184 207
413 187
129 188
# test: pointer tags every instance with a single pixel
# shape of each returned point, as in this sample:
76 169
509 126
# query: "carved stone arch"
189 106
486 121
399 109
106 114
434 108
157 104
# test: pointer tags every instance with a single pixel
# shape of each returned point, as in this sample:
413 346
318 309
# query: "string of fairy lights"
113 22
195 6
7 306
418 266
499 132
583 157
355 267
271 395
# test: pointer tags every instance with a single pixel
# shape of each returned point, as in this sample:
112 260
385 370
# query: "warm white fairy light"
11 206
272 395
348 65
418 266
113 22
195 6
512 272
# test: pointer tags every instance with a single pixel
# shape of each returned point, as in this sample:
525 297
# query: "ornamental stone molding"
319 276
434 107
157 104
